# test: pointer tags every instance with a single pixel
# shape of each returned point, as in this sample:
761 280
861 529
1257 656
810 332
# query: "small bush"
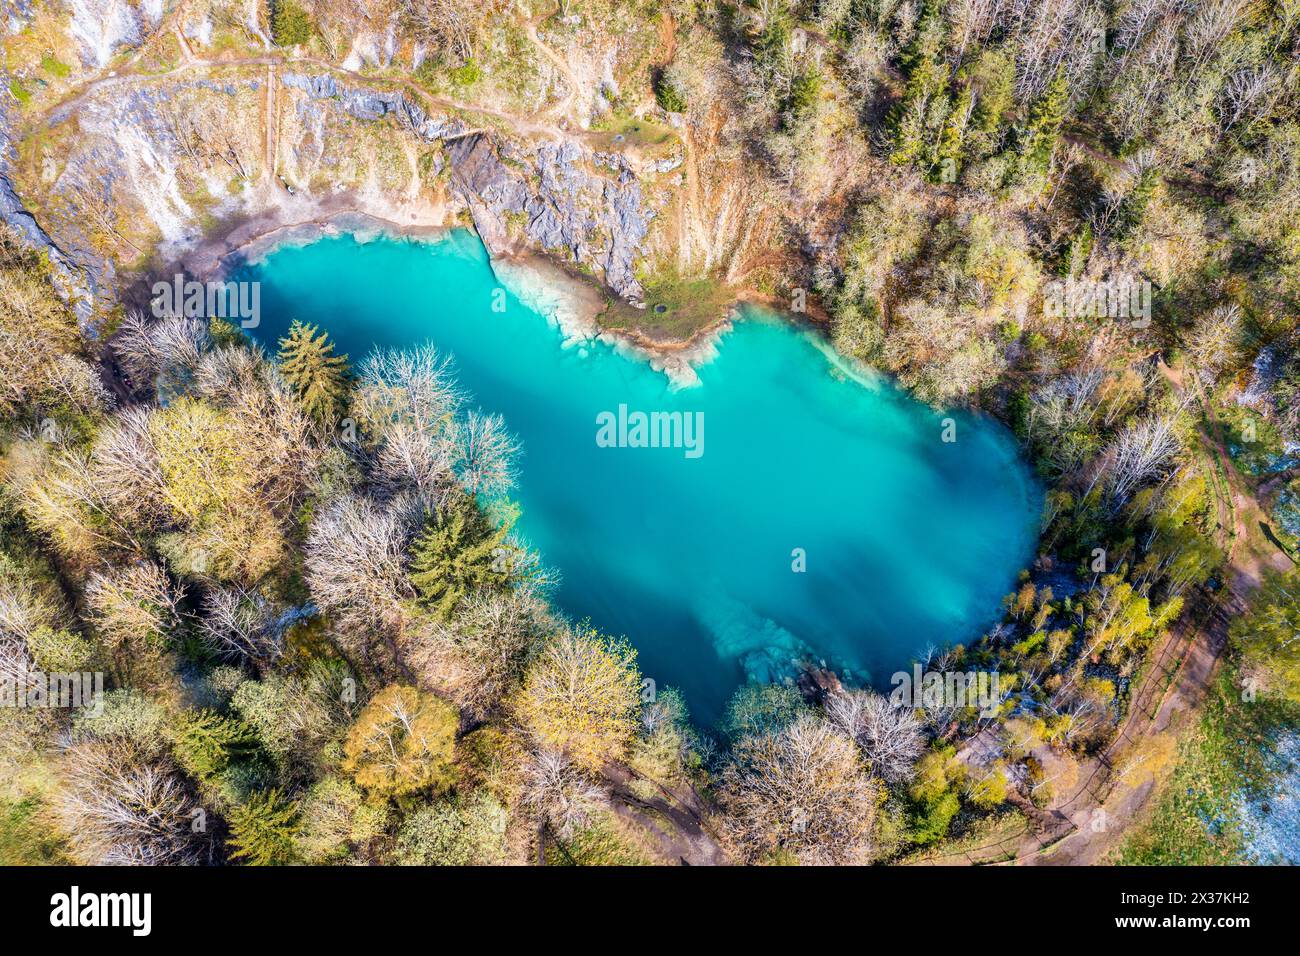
290 24
668 96
466 74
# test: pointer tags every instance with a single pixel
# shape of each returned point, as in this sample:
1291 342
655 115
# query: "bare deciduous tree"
1246 93
1138 454
803 791
558 794
148 348
133 601
120 809
447 25
890 736
1215 341
239 625
355 560
480 655
485 453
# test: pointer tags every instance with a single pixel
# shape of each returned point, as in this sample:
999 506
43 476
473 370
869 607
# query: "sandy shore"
574 302
299 222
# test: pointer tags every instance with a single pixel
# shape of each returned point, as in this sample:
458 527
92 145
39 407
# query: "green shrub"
54 66
454 832
467 74
668 96
290 24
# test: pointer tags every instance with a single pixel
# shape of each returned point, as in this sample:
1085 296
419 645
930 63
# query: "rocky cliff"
140 131
137 169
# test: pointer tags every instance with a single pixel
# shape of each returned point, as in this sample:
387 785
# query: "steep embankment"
139 166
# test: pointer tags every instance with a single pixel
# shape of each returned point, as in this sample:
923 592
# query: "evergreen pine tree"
208 743
1044 127
948 152
457 552
927 83
317 375
262 830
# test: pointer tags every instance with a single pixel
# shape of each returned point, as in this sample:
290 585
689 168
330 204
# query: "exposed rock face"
77 286
102 27
168 159
591 219
375 105
487 186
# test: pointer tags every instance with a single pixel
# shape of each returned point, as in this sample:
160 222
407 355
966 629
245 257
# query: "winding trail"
562 108
1096 816
60 112
270 126
691 231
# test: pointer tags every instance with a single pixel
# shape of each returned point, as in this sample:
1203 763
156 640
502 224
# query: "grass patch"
599 844
25 839
1196 820
55 67
629 132
678 307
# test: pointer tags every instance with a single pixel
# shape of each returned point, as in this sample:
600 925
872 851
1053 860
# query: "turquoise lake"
908 541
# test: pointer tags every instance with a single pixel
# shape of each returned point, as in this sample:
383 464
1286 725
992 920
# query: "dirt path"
270 126
1171 690
1095 817
59 112
562 108
692 233
673 819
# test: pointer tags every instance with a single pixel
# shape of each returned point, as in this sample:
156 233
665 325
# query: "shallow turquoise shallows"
908 541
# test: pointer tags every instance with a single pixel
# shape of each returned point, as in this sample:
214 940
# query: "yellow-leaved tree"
581 697
403 742
209 483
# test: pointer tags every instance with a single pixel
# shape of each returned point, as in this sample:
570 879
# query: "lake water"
907 541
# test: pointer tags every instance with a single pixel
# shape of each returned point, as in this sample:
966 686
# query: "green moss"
55 67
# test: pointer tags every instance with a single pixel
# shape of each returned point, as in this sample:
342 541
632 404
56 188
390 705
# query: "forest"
322 642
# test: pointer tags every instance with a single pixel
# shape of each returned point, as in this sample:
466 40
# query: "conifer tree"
316 374
262 830
948 152
1044 127
1134 210
208 743
927 84
458 551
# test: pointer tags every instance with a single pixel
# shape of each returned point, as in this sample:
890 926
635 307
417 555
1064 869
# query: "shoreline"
573 302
